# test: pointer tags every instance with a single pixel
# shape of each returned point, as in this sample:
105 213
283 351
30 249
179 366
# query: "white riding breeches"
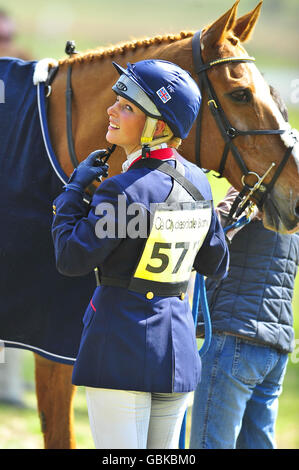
122 419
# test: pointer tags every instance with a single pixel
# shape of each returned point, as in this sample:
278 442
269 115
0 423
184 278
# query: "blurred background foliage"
42 30
43 27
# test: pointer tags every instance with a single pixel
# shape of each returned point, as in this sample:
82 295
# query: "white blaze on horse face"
263 95
289 139
252 77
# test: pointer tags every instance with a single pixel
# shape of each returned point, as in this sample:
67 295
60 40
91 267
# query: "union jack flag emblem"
163 95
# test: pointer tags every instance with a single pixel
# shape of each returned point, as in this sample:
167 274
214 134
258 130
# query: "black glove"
92 168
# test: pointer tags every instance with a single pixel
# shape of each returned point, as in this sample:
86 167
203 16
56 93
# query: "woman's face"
126 123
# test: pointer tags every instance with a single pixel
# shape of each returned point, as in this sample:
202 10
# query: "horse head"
247 105
242 133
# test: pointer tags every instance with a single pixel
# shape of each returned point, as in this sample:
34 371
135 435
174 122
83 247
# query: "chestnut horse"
244 99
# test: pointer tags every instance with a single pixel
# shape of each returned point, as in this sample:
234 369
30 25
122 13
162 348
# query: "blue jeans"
236 403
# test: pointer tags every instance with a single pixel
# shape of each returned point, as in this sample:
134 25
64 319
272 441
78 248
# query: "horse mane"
123 48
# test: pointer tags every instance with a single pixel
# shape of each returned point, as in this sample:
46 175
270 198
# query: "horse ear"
217 30
245 25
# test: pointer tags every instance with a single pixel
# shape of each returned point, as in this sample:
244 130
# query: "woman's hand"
90 169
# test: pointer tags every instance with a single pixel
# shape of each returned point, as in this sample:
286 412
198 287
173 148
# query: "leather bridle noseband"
260 189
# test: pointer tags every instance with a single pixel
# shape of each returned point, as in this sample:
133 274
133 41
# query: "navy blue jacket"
130 342
255 299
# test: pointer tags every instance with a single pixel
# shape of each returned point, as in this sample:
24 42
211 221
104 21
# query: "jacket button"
182 296
149 295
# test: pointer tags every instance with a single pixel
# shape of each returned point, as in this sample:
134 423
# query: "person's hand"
92 168
252 214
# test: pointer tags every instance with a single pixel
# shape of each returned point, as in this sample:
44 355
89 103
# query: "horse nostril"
297 210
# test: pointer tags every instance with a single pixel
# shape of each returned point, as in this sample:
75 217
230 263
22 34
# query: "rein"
259 190
70 49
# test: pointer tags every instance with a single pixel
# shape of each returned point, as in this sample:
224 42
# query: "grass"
20 428
287 424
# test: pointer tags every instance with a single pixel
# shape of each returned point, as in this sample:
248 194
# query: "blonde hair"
166 136
171 140
175 142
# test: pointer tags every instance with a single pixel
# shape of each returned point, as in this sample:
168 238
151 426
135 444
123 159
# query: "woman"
138 357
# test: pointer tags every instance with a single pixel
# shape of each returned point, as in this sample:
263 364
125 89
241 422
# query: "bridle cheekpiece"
260 189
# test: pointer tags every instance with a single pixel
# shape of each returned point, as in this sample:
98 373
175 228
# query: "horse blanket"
40 310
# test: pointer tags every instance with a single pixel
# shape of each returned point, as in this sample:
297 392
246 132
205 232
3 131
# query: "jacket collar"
162 152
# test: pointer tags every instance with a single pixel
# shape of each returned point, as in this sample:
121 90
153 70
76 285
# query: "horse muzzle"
279 214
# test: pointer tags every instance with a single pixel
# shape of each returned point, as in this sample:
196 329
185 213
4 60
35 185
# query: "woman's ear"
160 126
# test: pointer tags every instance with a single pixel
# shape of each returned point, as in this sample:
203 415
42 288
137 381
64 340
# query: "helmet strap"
147 136
148 130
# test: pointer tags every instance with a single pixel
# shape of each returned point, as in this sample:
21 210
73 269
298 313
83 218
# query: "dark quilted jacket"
255 300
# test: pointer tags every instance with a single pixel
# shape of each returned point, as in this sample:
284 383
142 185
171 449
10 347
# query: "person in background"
236 403
12 384
8 31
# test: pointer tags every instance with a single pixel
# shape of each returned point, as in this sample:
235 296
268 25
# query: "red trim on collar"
159 154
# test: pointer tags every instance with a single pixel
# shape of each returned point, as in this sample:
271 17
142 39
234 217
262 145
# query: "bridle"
70 49
260 189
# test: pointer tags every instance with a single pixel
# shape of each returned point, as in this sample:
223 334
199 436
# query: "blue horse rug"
40 310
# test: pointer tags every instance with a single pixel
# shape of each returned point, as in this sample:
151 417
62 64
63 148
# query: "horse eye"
243 95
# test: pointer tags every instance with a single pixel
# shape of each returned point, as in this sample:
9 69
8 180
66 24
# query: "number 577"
164 257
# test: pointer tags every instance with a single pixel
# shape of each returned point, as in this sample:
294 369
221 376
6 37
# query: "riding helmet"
162 90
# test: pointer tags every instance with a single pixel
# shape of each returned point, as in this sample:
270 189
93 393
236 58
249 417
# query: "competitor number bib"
177 233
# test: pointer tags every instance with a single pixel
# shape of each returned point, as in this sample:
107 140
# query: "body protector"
179 226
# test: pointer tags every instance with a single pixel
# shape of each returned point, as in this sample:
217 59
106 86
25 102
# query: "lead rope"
200 294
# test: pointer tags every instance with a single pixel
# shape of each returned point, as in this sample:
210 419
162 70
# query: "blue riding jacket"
131 341
255 299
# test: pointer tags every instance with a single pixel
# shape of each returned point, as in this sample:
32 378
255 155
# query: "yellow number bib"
177 233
